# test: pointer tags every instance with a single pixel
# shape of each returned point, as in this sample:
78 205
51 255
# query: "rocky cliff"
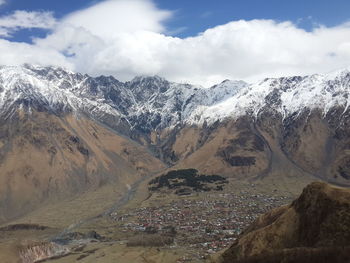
314 228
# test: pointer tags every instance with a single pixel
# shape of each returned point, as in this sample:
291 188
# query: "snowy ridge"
52 88
284 95
148 103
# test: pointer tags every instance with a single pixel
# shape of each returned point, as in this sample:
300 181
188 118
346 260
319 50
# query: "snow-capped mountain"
286 96
62 132
154 103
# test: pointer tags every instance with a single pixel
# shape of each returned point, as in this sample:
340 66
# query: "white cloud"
21 19
125 38
2 2
111 18
20 53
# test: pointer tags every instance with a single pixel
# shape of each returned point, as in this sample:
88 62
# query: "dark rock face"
314 228
146 87
344 171
324 216
240 161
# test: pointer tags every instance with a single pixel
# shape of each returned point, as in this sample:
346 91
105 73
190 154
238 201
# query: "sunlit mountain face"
162 131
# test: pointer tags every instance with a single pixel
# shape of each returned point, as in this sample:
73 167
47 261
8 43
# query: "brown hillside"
314 228
303 147
45 158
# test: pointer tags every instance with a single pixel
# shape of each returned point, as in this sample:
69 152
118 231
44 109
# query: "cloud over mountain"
128 38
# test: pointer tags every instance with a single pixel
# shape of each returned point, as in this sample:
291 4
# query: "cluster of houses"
206 224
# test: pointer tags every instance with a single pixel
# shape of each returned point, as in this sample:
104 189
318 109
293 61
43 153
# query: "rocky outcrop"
37 252
314 228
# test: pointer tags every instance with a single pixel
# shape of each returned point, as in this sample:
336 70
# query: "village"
207 223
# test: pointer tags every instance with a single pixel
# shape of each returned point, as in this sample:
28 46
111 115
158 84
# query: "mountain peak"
145 78
156 97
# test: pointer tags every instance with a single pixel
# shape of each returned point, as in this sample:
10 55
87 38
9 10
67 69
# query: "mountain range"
64 133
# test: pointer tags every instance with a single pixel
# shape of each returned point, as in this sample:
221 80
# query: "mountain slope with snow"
62 132
152 102
286 96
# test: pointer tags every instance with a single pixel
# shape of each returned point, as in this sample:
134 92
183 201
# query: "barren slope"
45 158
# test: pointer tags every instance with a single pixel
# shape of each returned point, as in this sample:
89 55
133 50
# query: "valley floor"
152 227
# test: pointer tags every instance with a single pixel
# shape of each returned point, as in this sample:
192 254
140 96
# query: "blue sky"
192 17
201 42
200 15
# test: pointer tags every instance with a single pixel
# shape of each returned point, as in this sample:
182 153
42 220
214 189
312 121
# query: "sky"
200 42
